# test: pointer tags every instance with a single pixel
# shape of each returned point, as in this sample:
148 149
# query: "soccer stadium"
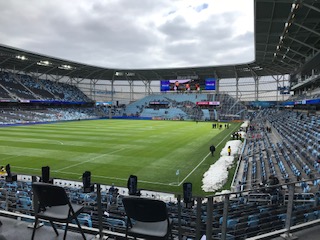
225 152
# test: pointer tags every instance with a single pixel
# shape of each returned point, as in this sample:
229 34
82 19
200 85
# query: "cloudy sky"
132 33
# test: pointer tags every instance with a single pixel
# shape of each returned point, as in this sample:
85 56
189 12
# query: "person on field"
229 151
212 149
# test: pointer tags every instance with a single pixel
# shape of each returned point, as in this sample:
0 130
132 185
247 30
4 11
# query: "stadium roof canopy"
287 40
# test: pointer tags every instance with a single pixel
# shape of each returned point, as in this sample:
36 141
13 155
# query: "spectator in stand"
112 188
187 87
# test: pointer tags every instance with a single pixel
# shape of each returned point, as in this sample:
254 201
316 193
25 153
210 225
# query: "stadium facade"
286 63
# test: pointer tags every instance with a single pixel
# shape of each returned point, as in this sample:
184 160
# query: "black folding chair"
147 218
53 204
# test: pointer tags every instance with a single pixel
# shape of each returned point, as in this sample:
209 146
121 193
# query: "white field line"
41 141
204 159
122 179
89 160
97 176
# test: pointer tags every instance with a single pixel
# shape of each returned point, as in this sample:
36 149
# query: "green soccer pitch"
114 149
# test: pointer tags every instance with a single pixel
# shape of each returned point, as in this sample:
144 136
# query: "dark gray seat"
147 218
52 204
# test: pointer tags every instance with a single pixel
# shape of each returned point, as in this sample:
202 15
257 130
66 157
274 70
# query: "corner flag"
177 172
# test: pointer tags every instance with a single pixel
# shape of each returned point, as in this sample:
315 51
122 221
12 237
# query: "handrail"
228 201
238 163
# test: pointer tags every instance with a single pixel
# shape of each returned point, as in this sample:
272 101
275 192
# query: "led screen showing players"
187 85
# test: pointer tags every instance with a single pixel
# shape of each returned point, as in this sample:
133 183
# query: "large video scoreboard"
177 85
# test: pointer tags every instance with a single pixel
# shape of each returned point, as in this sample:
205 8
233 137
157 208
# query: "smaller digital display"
210 84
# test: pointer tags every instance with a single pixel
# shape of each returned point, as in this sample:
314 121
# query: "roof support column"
147 87
92 90
277 96
131 90
112 92
283 79
277 78
256 88
112 86
237 88
237 83
217 82
217 85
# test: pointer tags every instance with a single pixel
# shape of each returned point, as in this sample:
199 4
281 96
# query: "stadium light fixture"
21 57
244 69
44 63
66 67
130 74
257 68
118 73
294 6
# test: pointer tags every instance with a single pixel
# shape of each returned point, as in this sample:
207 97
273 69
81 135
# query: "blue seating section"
290 151
183 106
244 219
25 87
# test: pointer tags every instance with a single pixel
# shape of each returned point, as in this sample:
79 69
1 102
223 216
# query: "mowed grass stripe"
112 149
84 147
100 140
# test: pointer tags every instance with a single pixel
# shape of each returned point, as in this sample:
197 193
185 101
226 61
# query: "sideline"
204 158
97 176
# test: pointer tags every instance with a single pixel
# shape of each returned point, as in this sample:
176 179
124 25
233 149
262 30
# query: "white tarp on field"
217 175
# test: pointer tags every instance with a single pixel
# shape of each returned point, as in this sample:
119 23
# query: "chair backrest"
49 195
145 209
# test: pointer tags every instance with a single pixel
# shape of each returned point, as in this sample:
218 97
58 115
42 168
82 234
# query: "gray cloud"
214 42
113 33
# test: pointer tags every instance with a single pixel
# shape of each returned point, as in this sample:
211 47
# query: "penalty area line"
89 160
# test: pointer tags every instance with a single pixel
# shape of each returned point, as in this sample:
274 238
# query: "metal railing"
222 216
